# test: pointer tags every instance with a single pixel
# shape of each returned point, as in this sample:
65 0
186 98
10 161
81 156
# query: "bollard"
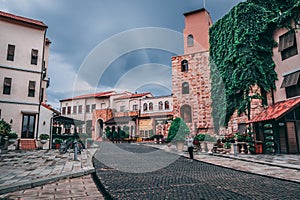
75 149
234 149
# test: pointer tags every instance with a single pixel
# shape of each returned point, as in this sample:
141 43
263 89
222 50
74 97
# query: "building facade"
191 75
141 115
24 51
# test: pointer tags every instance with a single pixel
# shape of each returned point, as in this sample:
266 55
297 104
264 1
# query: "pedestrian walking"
190 145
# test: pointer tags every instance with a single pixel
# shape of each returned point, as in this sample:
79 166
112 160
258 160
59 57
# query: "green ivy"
241 53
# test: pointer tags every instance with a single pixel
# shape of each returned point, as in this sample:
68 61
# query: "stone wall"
198 78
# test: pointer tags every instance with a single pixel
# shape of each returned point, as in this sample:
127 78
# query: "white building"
24 51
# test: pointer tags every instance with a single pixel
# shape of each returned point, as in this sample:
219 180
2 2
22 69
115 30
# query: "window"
145 107
102 105
291 83
63 110
10 52
167 105
186 113
93 107
74 109
190 40
0 113
122 108
87 108
135 107
34 56
184 66
288 45
80 109
69 110
7 85
185 88
160 105
151 106
31 89
28 126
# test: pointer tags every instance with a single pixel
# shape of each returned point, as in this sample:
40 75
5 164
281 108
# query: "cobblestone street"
183 179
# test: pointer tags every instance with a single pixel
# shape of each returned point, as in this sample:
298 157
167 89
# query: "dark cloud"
76 27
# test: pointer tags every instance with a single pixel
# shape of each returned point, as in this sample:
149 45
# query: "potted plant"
89 142
227 147
57 142
178 132
12 137
44 138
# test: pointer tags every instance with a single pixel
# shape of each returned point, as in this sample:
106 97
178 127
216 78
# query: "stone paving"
46 174
23 170
285 167
183 179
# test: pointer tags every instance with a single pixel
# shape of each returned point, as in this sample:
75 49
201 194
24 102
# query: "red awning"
277 110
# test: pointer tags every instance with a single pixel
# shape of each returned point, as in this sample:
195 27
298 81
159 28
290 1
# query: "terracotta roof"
119 120
133 95
49 107
277 110
94 95
22 19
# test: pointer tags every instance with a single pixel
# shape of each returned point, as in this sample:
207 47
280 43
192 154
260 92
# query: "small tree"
5 128
178 131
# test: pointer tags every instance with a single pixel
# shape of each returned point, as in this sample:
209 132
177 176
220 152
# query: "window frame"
185 88
34 56
190 40
7 82
184 66
31 88
10 52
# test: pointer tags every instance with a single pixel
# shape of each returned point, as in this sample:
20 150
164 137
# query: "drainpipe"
41 81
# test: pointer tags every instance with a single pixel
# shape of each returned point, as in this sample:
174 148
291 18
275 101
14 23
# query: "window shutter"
290 80
286 41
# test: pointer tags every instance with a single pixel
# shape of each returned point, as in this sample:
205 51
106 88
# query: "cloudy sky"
100 45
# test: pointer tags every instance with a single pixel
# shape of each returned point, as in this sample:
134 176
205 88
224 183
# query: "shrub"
44 136
178 131
200 137
13 135
58 141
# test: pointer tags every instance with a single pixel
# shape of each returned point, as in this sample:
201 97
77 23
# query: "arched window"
185 88
160 105
190 40
167 105
186 113
184 66
145 107
150 106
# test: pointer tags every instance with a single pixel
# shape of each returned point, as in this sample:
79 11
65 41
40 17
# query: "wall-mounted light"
11 121
44 123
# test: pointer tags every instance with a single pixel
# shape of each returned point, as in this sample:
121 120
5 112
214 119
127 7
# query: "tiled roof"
133 95
277 110
94 95
50 108
22 19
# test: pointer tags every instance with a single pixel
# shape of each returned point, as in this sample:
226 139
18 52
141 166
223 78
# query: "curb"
258 162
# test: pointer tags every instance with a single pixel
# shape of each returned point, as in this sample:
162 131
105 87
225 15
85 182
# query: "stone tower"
191 74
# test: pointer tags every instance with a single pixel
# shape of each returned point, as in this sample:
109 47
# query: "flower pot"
57 146
43 141
179 146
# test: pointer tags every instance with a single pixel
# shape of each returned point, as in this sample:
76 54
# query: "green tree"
5 128
241 50
178 131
